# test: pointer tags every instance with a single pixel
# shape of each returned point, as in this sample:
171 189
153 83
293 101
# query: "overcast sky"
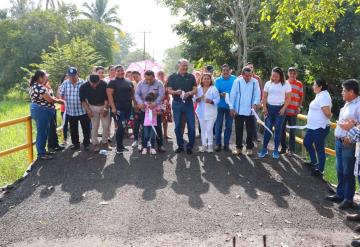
138 16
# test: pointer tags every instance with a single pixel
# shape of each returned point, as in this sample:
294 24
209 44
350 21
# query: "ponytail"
38 74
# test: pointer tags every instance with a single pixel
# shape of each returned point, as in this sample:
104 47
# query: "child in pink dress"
150 122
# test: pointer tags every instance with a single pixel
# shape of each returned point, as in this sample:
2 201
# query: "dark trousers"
53 139
316 138
291 121
239 130
187 108
121 118
158 128
148 135
74 129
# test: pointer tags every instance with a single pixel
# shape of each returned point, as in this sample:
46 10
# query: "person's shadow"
189 181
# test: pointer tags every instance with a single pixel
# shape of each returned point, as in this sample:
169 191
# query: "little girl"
207 98
150 122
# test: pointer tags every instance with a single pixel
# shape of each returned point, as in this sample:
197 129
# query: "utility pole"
145 43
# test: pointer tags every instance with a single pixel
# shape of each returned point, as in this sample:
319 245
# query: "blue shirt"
244 95
224 86
71 92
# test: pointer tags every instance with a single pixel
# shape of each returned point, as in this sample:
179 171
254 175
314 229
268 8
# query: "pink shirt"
147 120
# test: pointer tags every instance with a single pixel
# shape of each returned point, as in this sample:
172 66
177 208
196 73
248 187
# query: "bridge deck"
170 200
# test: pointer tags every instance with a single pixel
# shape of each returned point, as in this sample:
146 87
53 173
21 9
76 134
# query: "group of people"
153 101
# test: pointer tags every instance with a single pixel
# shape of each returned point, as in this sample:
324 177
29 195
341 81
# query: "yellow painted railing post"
29 140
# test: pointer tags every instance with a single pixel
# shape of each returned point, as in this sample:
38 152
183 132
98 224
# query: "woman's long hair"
38 74
280 72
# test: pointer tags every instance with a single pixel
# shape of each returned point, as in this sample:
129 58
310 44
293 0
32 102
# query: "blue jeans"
316 137
273 119
187 108
222 112
291 121
149 135
345 162
42 116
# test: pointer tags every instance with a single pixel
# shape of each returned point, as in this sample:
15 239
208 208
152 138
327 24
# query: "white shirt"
350 110
277 92
204 110
316 118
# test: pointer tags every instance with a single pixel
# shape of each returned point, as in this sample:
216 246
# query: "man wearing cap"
293 109
70 90
94 100
120 92
224 84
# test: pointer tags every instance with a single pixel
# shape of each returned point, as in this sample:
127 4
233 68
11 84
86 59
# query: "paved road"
170 200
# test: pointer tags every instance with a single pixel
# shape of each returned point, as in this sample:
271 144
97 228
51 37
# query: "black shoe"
50 152
75 147
59 147
227 149
218 148
189 151
334 198
355 243
347 205
179 150
316 173
309 164
283 151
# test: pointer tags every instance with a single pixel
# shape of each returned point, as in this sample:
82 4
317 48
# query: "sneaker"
316 173
276 154
202 149
75 147
135 144
334 198
249 152
218 148
262 153
283 151
46 157
179 150
345 204
210 149
144 151
152 151
237 151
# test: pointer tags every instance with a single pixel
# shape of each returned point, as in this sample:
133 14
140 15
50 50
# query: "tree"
99 12
20 7
135 56
172 56
3 14
234 16
78 53
123 44
312 15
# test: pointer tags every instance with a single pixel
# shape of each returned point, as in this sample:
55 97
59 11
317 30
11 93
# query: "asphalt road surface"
85 199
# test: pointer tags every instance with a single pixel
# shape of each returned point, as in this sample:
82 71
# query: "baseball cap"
72 71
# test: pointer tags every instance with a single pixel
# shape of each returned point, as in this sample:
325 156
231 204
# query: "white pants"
95 124
207 134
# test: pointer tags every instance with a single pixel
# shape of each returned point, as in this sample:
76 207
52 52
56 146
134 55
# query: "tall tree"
313 15
234 15
100 11
21 7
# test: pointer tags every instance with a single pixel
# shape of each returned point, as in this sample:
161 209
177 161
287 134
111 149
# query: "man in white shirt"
345 150
244 96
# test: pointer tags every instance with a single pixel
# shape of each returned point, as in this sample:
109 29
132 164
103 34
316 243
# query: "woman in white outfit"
207 97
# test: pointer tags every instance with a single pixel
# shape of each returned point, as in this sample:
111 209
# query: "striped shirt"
71 93
296 95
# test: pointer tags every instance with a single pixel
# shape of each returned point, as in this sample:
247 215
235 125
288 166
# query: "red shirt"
296 95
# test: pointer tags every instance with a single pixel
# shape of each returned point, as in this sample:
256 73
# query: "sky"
138 16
